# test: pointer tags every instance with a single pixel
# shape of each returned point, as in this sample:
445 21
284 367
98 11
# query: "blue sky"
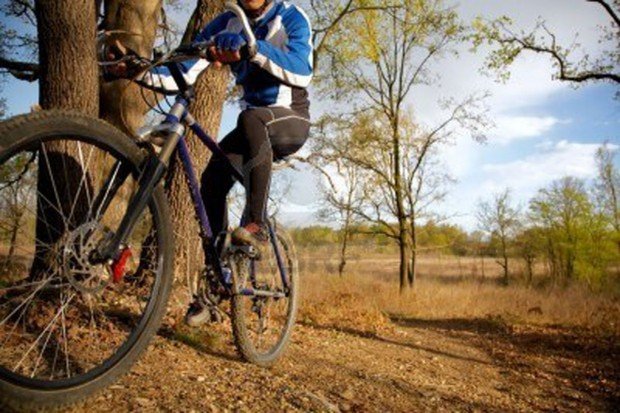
544 130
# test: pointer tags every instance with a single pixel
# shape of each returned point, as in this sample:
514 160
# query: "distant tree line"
570 230
571 227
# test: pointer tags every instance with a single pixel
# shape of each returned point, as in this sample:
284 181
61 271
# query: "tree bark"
413 266
404 263
67 55
345 242
13 242
505 258
133 23
399 198
346 229
69 79
529 261
207 109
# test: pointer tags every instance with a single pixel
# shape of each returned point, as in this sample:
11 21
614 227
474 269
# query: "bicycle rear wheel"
263 306
68 325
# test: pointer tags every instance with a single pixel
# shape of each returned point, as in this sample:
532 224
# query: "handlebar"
247 29
200 49
186 52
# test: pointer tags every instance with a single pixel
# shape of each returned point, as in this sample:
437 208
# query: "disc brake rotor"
77 268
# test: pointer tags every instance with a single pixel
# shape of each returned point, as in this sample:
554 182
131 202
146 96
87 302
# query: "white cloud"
292 214
525 176
550 161
511 128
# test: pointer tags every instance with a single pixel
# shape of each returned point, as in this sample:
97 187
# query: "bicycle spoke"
65 340
50 203
66 170
36 366
53 368
50 324
82 180
107 192
61 316
17 287
27 300
53 182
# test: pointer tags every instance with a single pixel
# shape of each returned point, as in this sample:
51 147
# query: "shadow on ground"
571 365
373 336
205 342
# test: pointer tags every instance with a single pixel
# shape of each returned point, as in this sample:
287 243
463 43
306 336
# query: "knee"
252 120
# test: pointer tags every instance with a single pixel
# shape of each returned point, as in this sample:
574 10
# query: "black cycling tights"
261 136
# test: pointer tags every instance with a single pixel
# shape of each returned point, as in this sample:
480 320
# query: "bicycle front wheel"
265 300
70 325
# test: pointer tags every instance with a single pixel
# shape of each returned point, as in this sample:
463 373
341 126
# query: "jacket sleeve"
294 64
160 77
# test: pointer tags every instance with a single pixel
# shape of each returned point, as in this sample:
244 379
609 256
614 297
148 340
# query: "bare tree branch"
20 70
609 10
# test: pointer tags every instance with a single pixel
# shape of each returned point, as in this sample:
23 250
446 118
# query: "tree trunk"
207 109
505 259
343 253
133 23
69 76
68 80
345 241
529 261
13 242
399 198
404 263
413 267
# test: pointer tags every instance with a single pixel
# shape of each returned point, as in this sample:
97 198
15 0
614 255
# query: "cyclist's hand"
229 42
128 63
115 52
227 48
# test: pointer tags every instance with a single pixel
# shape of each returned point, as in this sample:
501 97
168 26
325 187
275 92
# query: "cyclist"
275 119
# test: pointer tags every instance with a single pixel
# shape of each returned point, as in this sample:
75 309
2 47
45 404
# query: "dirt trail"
422 365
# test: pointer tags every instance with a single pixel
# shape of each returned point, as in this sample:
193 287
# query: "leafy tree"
499 219
426 186
529 245
577 241
391 54
608 185
16 195
570 62
341 193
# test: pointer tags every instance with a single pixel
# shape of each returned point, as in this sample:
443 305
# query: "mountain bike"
86 251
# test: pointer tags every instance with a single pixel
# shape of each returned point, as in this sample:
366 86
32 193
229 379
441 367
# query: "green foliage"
571 63
570 228
314 236
432 237
443 237
578 244
607 186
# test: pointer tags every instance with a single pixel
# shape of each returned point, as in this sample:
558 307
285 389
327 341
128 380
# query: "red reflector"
118 268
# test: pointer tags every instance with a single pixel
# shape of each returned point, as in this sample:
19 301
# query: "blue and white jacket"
277 75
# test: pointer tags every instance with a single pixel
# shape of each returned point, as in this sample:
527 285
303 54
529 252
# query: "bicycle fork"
152 173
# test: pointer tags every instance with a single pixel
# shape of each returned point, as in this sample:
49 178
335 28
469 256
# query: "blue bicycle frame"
174 126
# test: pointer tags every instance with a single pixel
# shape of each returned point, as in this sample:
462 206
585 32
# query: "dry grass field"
447 287
457 342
